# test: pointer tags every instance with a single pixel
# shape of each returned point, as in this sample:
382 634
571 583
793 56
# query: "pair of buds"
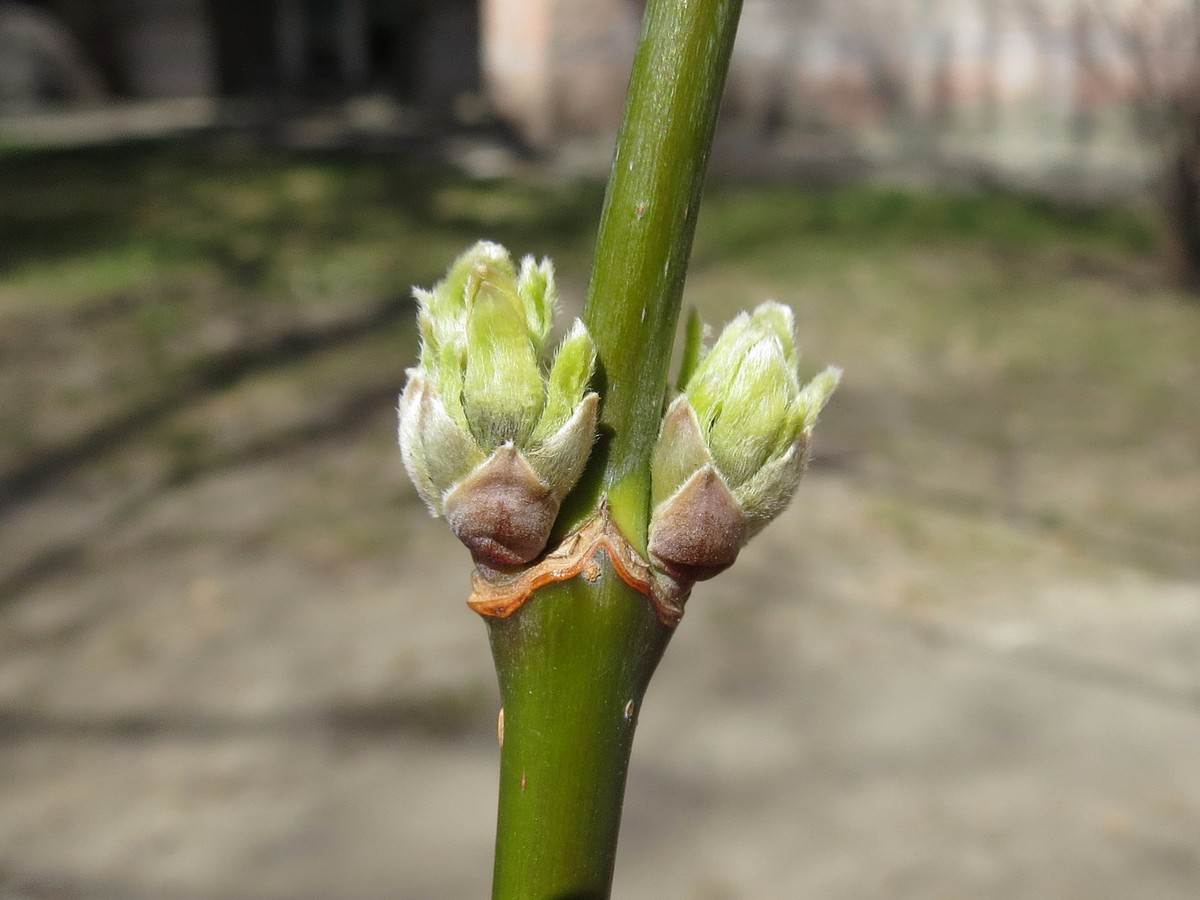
494 440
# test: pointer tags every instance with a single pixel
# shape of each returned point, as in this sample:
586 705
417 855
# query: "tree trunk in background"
1181 190
1181 180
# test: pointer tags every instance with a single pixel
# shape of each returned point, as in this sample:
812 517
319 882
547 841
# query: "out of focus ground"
234 657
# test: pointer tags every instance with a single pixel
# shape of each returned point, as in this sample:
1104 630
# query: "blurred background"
235 661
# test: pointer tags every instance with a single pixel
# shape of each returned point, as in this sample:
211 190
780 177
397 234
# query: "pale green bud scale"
817 393
449 449
569 377
560 458
752 422
694 335
412 448
503 391
681 450
536 284
447 368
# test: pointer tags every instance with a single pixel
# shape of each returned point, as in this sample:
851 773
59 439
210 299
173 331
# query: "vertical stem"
645 238
575 659
570 706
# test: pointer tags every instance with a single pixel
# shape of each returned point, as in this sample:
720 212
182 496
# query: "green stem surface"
574 664
575 659
645 239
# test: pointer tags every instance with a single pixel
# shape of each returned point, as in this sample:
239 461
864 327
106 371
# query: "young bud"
491 440
732 447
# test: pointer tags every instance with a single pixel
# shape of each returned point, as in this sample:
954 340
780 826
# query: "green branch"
645 241
574 661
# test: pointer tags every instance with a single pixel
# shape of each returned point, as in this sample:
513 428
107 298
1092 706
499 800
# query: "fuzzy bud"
733 445
491 439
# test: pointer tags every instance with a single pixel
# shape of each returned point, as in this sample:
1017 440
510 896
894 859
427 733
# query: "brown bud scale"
698 532
502 511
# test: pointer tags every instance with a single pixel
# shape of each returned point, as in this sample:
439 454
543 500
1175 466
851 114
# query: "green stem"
570 706
645 239
575 660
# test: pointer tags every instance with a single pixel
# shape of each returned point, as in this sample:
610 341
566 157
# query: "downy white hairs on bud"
491 439
732 447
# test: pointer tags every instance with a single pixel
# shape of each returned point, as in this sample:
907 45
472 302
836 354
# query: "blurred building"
424 52
1023 83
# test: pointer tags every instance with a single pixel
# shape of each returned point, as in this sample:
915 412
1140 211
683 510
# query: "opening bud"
733 445
491 439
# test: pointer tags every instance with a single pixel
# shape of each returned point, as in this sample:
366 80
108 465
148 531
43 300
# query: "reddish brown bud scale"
698 532
502 511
